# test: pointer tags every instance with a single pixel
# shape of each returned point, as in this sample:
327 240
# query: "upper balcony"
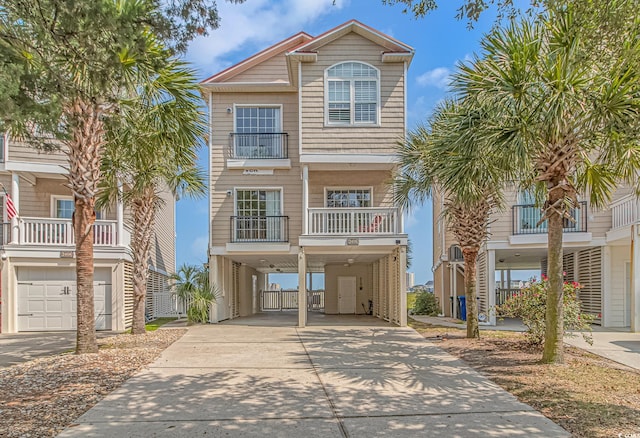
625 211
259 146
526 219
54 232
353 221
259 150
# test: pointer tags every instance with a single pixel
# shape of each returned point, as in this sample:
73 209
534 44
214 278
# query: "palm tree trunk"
85 149
554 319
144 218
470 256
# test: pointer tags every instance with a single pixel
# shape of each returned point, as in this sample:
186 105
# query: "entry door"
347 295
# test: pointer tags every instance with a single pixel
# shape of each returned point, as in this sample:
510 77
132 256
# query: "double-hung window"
258 132
352 94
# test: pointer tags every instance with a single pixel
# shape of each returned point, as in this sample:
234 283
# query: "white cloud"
253 26
199 247
438 77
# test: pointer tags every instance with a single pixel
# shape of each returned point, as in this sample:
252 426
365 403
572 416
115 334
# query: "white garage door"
47 299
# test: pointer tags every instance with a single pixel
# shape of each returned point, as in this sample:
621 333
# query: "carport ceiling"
289 262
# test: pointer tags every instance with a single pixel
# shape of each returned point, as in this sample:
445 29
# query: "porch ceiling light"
350 261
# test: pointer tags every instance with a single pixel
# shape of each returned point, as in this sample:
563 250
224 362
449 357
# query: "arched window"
352 94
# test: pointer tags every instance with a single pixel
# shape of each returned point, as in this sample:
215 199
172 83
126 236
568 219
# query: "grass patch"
156 324
589 396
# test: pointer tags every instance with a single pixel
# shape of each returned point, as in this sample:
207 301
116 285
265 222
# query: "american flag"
11 208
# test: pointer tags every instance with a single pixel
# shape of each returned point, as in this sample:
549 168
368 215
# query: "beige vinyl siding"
318 138
23 152
377 180
224 179
163 244
271 70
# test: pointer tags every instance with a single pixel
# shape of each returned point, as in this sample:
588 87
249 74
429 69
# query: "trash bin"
462 307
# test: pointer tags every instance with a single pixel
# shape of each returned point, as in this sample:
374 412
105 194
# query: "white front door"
347 295
47 299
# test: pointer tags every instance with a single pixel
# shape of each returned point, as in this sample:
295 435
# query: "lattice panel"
235 290
590 277
569 266
128 294
482 291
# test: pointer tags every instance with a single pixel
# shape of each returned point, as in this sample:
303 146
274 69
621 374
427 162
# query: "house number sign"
257 172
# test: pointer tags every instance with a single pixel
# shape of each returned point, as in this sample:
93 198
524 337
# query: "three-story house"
301 155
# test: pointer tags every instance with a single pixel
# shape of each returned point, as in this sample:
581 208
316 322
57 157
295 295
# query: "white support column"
214 280
402 259
305 199
15 197
491 277
120 216
454 289
302 288
635 278
606 285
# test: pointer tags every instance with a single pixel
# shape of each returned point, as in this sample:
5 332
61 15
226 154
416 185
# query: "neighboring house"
599 253
38 289
302 151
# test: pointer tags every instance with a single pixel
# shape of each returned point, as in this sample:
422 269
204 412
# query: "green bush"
530 305
426 304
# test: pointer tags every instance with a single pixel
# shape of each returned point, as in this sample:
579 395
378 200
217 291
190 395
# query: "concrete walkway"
360 379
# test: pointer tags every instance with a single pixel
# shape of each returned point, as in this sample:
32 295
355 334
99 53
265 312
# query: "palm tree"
193 287
563 119
438 158
153 148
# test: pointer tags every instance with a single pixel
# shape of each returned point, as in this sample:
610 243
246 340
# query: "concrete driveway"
357 380
22 347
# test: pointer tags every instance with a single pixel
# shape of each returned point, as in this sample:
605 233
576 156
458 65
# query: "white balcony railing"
353 221
625 211
59 232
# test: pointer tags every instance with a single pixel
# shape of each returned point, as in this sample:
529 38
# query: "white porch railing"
625 211
353 221
53 231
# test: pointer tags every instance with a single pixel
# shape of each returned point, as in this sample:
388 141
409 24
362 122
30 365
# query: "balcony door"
258 132
259 216
350 220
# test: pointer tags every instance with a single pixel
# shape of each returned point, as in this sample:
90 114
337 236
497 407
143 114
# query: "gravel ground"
42 397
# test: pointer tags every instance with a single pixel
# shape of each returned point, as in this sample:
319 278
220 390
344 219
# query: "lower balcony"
353 221
259 229
58 232
526 220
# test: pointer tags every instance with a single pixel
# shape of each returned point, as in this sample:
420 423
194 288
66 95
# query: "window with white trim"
259 216
64 206
258 132
352 94
348 198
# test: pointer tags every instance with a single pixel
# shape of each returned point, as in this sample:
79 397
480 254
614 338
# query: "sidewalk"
325 381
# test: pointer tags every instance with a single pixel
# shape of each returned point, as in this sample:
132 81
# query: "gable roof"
384 40
303 47
268 53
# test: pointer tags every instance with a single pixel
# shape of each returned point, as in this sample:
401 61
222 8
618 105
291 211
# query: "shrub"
426 304
530 305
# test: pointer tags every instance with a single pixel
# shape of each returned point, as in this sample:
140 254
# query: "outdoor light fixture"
350 261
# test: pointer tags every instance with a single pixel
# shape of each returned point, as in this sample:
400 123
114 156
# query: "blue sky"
440 42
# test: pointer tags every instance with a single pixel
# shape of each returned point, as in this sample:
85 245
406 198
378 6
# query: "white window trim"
352 123
260 105
55 198
327 188
235 196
